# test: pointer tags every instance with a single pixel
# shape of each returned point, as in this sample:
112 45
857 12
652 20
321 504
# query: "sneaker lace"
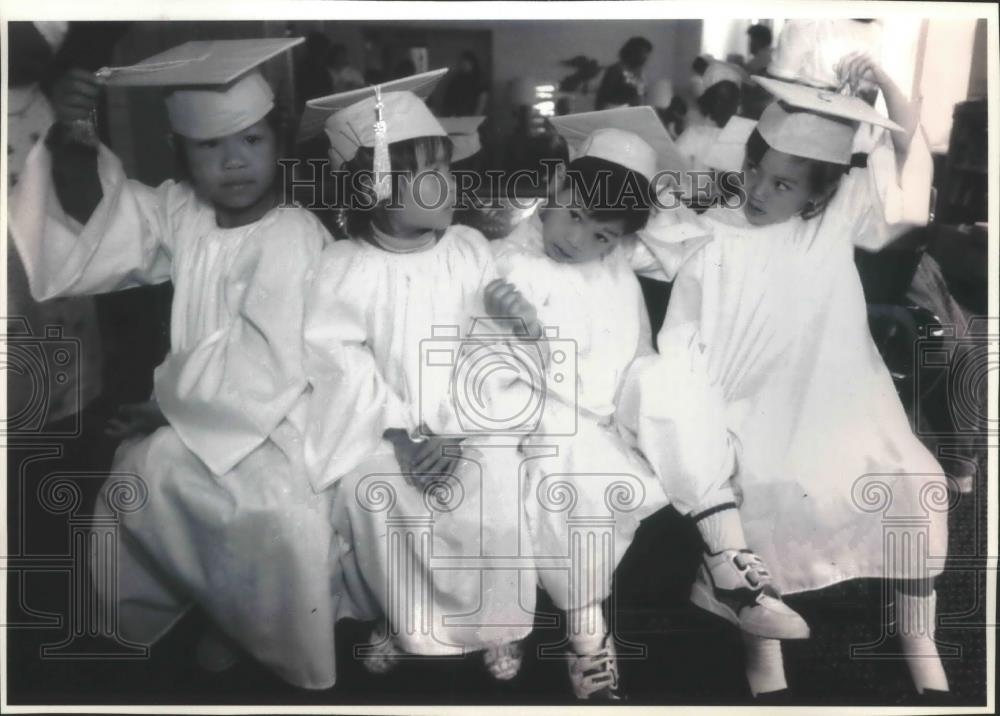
596 671
754 570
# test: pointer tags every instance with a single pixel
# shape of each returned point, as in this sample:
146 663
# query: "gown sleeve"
885 199
229 392
125 243
667 242
351 404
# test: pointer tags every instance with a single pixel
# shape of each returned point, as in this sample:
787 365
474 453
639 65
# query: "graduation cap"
375 117
215 86
320 109
718 71
808 51
464 135
823 128
632 137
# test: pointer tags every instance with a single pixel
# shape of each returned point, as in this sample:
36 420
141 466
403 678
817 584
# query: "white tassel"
380 162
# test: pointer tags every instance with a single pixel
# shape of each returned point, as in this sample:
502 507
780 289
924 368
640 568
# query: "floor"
690 656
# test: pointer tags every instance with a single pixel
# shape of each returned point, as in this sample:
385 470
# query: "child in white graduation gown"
413 503
214 506
772 316
569 275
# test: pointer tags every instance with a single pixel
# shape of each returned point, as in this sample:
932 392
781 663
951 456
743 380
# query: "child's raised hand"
858 66
503 300
135 419
74 96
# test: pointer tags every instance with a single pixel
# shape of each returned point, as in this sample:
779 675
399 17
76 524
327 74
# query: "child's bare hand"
135 419
503 300
74 96
425 460
857 67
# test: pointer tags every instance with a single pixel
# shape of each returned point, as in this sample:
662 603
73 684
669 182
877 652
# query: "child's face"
777 187
572 236
236 171
427 199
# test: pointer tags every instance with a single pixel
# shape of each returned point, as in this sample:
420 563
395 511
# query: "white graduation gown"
231 521
591 477
767 335
373 316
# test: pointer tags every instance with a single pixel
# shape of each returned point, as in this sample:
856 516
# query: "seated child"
231 522
774 313
569 273
383 428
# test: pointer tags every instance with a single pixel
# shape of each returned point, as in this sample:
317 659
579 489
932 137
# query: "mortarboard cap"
632 137
824 131
464 135
215 86
320 109
717 72
375 117
808 51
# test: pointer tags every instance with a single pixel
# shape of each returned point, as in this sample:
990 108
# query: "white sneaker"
384 653
503 660
737 587
595 676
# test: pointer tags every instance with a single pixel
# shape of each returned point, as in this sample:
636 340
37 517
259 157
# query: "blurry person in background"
671 109
623 84
33 50
311 76
465 94
759 45
755 97
719 101
698 67
343 76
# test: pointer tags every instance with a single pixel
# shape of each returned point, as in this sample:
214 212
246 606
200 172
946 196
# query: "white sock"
721 529
765 667
915 617
587 628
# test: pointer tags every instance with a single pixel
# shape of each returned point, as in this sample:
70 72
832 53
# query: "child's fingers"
501 294
427 454
494 284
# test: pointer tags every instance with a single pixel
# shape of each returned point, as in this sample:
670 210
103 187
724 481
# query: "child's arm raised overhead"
80 225
74 165
892 193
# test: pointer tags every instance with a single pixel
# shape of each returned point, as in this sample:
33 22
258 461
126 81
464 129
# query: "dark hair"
720 102
761 33
274 120
473 60
633 50
618 193
699 65
404 157
823 178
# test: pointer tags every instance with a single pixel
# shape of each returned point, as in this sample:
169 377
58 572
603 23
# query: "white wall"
944 76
